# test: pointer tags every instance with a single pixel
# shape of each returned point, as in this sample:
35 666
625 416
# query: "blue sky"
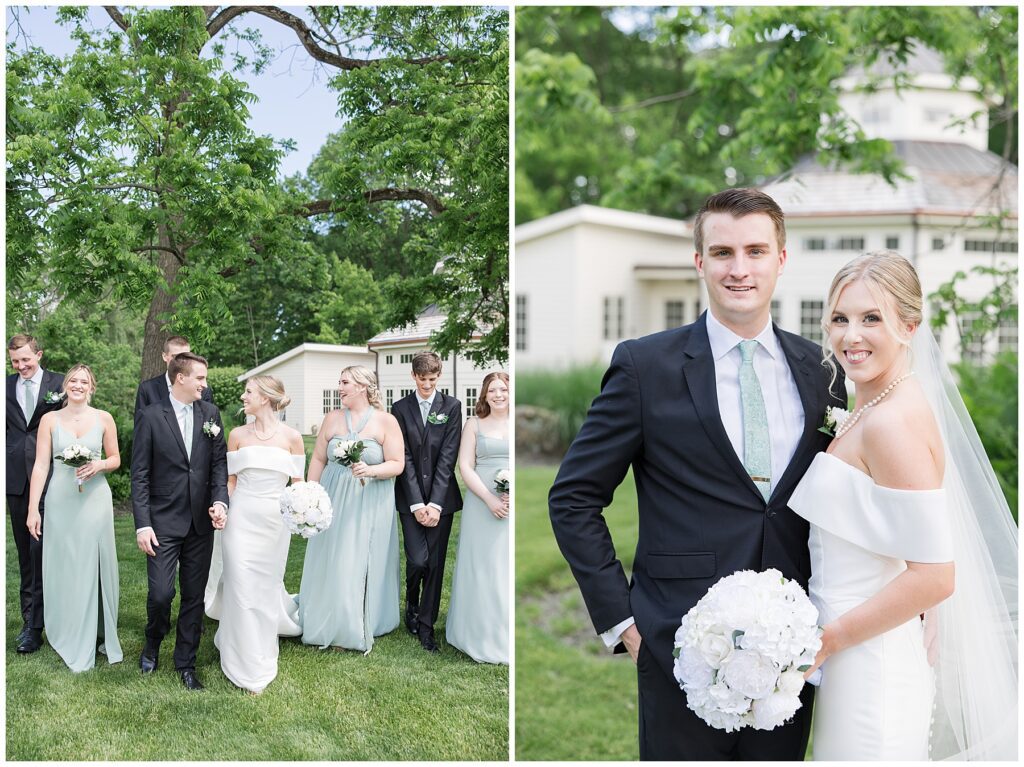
294 101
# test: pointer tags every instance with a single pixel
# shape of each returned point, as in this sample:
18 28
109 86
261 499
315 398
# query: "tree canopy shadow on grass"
397 703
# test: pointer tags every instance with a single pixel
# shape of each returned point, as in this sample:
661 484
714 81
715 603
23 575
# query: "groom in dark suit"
426 492
179 495
719 421
31 393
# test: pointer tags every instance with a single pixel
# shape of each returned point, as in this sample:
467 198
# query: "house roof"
429 321
594 214
301 349
946 179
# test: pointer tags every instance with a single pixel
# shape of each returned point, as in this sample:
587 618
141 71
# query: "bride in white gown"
907 520
252 604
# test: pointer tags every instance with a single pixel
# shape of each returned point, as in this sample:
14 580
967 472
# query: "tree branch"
433 204
218 22
306 37
653 100
116 16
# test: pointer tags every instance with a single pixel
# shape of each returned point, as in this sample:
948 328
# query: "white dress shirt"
782 405
19 390
419 404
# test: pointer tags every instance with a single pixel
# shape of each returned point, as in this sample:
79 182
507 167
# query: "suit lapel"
803 369
12 402
172 424
699 372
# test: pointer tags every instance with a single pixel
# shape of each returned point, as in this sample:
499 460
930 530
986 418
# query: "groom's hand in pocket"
147 541
632 639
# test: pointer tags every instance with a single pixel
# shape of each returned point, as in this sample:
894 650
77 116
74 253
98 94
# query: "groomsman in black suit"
426 493
156 389
179 495
31 393
718 421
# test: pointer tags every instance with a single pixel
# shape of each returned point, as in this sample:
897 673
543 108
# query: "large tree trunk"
162 304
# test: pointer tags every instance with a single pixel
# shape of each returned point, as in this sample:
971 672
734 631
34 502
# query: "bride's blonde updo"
271 388
893 282
364 377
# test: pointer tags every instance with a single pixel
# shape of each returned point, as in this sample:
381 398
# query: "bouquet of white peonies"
76 456
502 481
306 509
742 650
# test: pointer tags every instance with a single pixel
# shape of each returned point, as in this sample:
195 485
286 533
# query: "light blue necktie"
756 447
187 413
424 410
30 399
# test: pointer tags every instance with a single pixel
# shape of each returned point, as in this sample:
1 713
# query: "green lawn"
397 703
574 700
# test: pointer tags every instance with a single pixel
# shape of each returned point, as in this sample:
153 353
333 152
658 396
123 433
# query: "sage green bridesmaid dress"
477 620
349 589
80 586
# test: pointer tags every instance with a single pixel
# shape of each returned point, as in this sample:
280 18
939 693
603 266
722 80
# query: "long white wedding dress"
875 699
945 688
252 604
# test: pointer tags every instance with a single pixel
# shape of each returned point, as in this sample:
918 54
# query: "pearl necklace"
852 420
257 434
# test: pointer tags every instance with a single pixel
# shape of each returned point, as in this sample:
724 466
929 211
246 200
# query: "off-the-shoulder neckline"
871 479
265 447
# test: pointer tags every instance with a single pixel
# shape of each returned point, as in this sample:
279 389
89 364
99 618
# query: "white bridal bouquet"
742 650
306 509
75 456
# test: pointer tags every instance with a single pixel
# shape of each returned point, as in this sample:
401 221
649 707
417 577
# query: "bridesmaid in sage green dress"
478 612
80 586
349 589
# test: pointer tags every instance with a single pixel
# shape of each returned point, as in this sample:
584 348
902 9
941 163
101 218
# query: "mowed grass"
574 700
397 703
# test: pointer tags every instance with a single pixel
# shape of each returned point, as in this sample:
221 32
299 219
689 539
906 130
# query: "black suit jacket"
21 436
169 492
430 454
154 390
700 515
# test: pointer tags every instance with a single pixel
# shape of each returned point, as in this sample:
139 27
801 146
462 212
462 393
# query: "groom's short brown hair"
738 203
21 339
182 363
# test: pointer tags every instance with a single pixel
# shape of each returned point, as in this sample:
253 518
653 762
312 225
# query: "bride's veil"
973 634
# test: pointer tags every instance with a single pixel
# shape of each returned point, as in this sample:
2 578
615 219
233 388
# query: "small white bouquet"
502 481
306 509
348 452
76 456
742 650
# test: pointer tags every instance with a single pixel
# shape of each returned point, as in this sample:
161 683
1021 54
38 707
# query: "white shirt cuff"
416 507
612 636
143 528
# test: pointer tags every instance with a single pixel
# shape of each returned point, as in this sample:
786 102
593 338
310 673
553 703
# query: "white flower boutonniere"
834 417
437 418
210 429
52 397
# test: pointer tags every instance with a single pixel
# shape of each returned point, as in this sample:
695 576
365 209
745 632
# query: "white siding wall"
546 275
321 370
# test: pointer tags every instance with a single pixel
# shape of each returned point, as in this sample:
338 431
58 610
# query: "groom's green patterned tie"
187 413
756 448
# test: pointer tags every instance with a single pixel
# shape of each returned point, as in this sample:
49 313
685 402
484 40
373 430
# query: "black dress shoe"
190 680
22 634
427 642
412 619
149 660
31 641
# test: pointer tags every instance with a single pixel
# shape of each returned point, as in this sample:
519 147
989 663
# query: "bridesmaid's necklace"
257 434
852 420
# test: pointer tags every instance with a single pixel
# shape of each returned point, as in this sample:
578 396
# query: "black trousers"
671 731
30 560
425 552
189 559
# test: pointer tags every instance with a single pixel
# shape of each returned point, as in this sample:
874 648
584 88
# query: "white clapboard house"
589 277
